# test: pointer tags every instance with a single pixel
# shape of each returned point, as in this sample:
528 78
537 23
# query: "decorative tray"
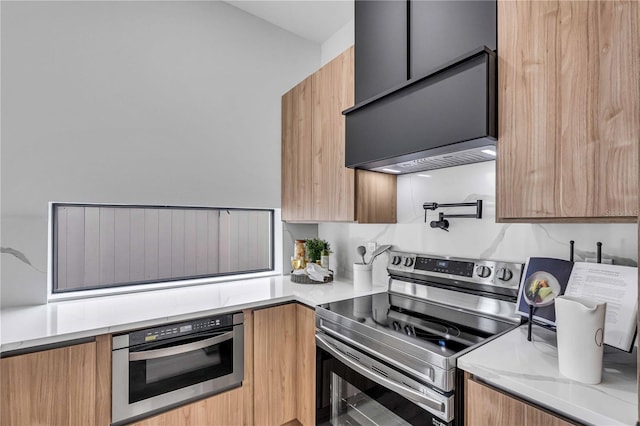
304 279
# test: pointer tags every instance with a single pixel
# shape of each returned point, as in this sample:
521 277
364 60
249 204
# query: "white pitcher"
580 333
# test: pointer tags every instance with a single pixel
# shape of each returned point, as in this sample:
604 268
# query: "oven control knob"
483 271
396 260
504 274
409 330
397 326
408 262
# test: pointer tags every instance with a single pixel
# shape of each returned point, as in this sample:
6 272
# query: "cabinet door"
222 409
296 153
53 387
306 365
274 365
487 406
333 183
381 46
375 197
442 31
569 118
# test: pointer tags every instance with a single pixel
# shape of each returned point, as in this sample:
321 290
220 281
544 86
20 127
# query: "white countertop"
29 326
529 370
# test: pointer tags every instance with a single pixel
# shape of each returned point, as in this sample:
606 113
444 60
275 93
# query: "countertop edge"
303 294
61 338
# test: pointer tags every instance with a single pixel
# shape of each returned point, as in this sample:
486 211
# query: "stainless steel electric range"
390 358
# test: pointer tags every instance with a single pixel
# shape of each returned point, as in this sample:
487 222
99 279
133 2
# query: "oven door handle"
180 349
392 385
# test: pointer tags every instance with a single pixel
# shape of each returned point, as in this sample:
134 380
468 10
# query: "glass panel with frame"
100 246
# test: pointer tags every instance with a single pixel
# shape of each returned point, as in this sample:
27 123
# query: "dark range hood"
444 119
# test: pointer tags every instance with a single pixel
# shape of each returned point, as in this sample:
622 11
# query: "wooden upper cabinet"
52 387
316 186
296 152
569 117
333 183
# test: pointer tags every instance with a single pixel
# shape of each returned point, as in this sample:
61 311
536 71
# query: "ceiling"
314 20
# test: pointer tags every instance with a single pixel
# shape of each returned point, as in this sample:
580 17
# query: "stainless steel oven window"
350 405
158 370
97 246
352 386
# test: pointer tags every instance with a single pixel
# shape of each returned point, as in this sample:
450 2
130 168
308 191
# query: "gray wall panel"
151 243
106 245
137 244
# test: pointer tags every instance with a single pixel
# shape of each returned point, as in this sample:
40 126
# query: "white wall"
338 42
135 102
471 237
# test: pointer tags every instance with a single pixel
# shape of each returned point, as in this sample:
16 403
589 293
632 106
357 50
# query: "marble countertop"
30 326
529 370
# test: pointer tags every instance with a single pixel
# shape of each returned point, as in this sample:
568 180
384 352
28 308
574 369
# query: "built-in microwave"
160 368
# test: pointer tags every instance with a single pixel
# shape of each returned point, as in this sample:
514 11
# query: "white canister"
362 277
580 333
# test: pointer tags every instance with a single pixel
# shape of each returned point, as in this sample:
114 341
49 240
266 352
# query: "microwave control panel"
170 331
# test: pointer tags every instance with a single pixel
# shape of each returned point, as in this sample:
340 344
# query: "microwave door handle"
180 349
408 393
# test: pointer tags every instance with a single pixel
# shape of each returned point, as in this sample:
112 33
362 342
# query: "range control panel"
488 272
171 331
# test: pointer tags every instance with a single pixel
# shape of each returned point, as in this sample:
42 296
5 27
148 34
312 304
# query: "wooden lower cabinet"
284 365
72 385
224 409
50 387
306 365
490 407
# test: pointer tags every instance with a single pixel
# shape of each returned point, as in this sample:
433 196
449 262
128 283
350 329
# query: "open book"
546 278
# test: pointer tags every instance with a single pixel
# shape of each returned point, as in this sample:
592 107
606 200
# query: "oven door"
149 378
356 389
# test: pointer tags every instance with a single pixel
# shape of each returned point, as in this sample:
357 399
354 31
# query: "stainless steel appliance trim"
437 404
395 344
180 349
238 318
483 306
493 265
120 342
122 412
438 377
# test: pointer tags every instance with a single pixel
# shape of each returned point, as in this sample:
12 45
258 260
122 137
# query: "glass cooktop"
434 327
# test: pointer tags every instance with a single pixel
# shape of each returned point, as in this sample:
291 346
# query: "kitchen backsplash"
468 237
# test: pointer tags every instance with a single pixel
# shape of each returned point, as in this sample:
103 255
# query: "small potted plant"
316 248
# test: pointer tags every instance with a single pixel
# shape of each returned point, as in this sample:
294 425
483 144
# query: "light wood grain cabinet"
224 409
316 186
50 387
296 152
284 365
306 365
569 115
485 406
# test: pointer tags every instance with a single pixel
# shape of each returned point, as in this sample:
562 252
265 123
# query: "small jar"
324 259
299 252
